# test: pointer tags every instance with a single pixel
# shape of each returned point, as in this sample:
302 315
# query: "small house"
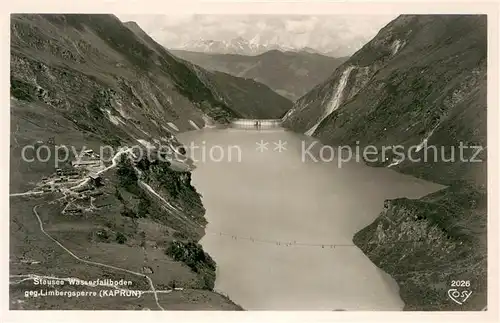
95 179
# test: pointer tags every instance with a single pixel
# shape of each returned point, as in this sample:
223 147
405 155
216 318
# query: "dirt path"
153 290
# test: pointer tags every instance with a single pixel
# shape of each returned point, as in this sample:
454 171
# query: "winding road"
153 290
94 263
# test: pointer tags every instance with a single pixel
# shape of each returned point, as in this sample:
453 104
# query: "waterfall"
396 46
424 141
419 147
336 99
193 124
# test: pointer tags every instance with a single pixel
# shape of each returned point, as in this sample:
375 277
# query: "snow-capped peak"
238 45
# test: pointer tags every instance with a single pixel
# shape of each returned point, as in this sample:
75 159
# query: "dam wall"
256 123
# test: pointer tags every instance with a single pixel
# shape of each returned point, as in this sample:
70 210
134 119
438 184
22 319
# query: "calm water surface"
272 218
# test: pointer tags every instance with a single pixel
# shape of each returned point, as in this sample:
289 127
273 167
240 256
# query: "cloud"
300 26
322 32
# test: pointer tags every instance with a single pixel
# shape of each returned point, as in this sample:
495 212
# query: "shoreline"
428 225
392 284
224 296
397 261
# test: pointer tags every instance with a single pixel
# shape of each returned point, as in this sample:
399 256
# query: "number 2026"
460 283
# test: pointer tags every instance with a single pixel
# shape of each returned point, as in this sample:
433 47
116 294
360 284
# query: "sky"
345 33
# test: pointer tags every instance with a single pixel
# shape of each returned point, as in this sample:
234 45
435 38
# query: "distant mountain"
310 50
418 85
256 46
291 74
248 98
238 45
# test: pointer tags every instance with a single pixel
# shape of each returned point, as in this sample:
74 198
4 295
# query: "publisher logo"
459 296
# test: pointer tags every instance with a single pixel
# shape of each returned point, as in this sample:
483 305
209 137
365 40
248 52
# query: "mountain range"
242 46
85 81
420 85
291 74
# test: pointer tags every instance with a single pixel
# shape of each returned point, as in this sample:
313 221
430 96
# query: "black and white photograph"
332 162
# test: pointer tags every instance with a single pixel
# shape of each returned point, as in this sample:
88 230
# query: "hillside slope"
291 74
87 82
422 78
420 82
250 99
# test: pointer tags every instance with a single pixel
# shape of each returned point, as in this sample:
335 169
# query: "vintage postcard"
269 161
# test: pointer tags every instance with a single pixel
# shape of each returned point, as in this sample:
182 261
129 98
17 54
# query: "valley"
290 74
105 185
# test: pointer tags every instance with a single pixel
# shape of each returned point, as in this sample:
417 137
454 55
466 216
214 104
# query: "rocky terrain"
84 81
420 82
426 244
123 79
291 74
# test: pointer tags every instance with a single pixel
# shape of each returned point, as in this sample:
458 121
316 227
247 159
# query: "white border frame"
491 8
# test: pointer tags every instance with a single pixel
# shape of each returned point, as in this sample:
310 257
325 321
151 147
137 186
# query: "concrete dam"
256 123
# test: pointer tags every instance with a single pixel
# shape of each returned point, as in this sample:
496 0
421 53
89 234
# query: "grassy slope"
437 80
148 228
66 71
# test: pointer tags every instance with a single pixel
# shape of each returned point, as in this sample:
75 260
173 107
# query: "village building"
95 179
81 163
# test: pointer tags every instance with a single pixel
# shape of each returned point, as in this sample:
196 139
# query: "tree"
120 238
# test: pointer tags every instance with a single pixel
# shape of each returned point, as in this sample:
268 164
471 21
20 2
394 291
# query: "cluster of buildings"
87 166
89 159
